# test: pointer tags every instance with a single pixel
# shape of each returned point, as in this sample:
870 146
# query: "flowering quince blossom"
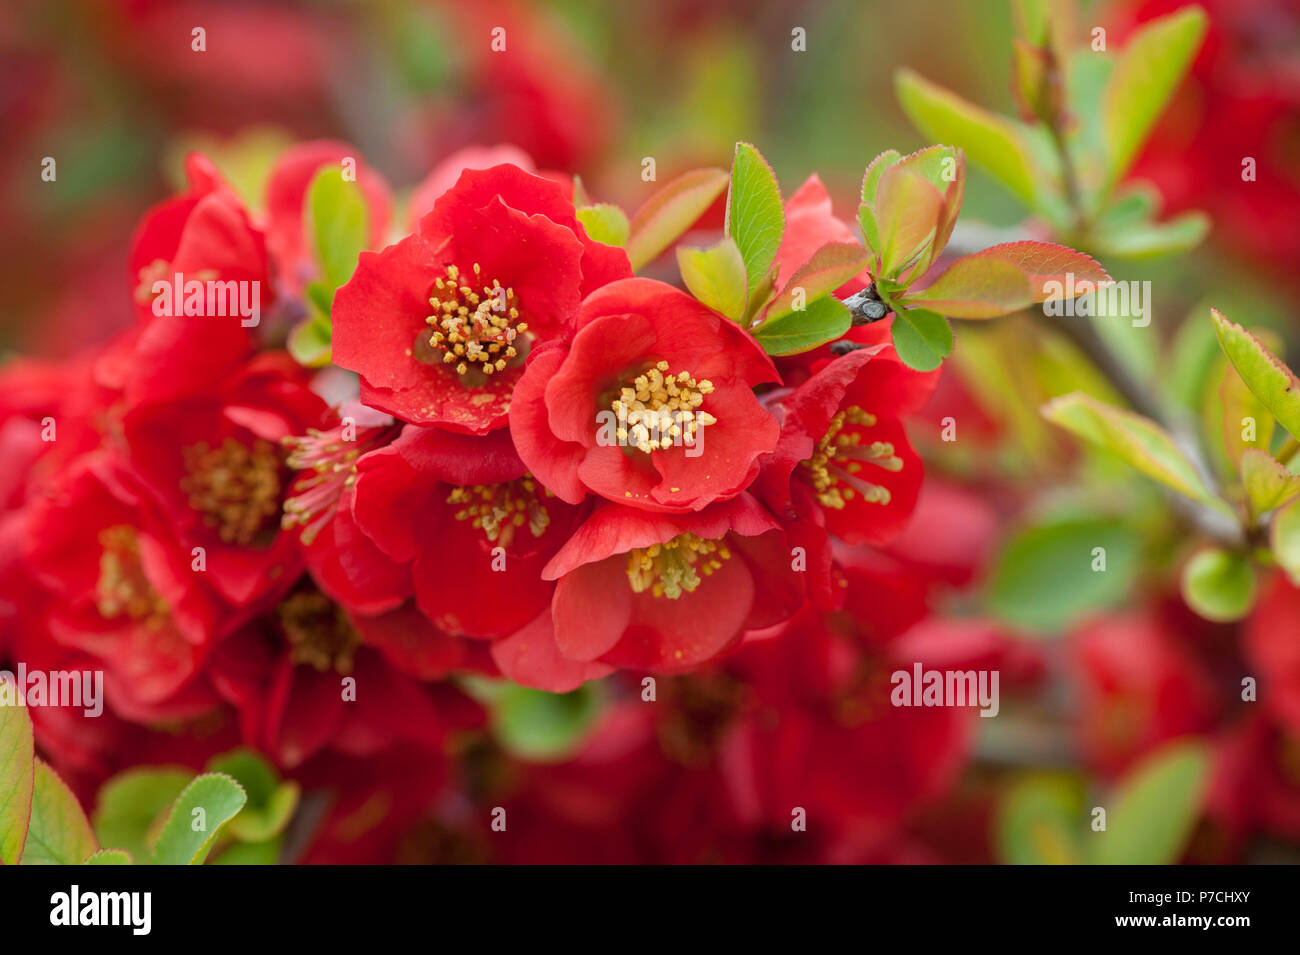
475 509
439 325
650 405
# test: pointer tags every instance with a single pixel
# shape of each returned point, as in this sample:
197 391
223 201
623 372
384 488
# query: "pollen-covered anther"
837 461
500 510
476 324
660 409
675 567
236 487
319 633
123 589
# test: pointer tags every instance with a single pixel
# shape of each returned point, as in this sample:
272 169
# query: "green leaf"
1008 277
826 270
755 216
310 342
538 725
180 842
1284 540
1152 813
923 339
1039 822
1145 77
1143 240
1268 483
129 808
1045 578
60 832
716 276
908 213
250 853
1219 585
666 215
989 141
17 771
1138 440
1237 403
876 169
605 223
108 857
824 320
339 225
271 803
1267 376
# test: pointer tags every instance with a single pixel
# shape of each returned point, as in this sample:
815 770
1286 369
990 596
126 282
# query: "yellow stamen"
122 588
499 510
660 409
235 486
475 329
675 567
838 458
319 633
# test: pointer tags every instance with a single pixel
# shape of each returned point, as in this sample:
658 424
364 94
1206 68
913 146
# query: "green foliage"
1219 585
824 320
1272 382
1050 574
196 818
58 833
1038 821
1150 816
716 276
130 808
755 215
605 223
339 225
17 769
543 726
922 338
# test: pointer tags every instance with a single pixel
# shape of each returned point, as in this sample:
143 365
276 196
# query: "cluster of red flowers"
231 537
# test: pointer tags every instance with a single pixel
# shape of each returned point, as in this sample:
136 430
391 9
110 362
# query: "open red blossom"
650 405
122 589
217 468
666 592
204 235
286 194
287 675
1272 647
438 326
843 465
474 526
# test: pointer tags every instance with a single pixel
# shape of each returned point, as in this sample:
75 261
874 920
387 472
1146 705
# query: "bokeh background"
112 90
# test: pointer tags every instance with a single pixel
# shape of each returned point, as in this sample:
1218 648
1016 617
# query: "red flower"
666 592
1139 686
438 325
216 467
123 590
1272 647
204 235
474 526
843 465
287 674
650 405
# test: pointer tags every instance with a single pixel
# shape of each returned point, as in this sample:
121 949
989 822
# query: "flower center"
660 409
236 487
329 462
675 567
318 632
474 329
122 588
838 459
499 510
